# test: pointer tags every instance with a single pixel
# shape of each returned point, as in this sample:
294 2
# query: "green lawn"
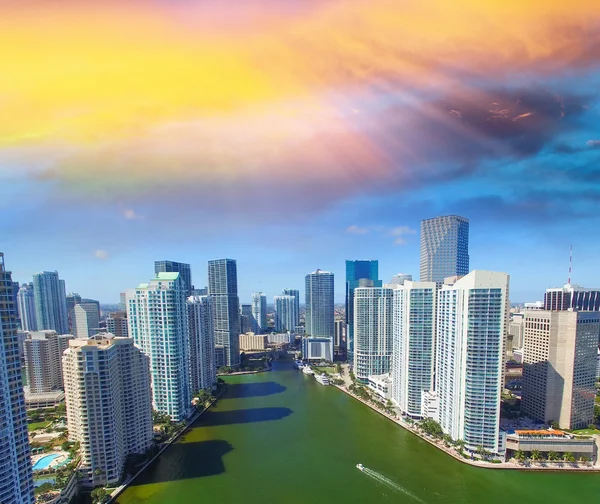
326 369
38 425
586 432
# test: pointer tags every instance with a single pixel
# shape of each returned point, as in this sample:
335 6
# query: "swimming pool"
44 462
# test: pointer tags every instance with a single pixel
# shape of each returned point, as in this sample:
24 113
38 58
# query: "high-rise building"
246 318
200 292
339 339
358 274
259 313
43 360
222 286
559 367
471 324
373 331
72 300
203 371
319 304
444 248
26 307
16 479
400 278
516 330
413 358
285 313
572 297
184 270
296 294
158 323
109 404
50 302
123 301
116 323
87 320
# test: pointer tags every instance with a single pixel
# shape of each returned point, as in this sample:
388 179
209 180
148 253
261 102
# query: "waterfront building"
358 274
296 294
43 360
26 307
72 299
444 248
280 338
400 278
373 331
381 385
259 313
430 405
87 319
339 338
50 302
16 479
109 404
471 323
222 286
413 358
516 330
253 342
317 349
572 297
559 367
285 313
549 440
116 323
203 370
319 304
184 270
246 318
158 323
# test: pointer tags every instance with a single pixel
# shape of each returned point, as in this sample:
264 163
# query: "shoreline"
475 463
237 373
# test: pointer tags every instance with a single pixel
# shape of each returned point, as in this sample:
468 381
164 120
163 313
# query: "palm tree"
553 456
520 456
584 460
536 455
569 457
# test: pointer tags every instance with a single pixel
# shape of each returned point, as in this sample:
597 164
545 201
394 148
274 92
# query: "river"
280 437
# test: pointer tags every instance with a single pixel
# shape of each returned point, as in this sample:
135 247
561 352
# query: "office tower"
339 338
200 292
572 297
516 330
123 301
109 405
43 360
50 302
116 323
285 313
400 278
444 248
87 320
158 323
471 325
373 331
296 294
203 371
319 304
184 270
16 480
246 318
222 286
26 307
358 274
413 357
559 367
72 300
259 312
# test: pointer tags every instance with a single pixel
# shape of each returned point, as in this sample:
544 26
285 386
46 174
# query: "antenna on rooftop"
570 264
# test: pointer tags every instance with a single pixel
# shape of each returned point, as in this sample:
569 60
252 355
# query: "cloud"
101 254
130 214
399 233
357 230
593 144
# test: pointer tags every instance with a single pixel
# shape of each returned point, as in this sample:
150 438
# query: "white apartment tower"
471 325
43 360
26 307
203 371
373 331
109 404
158 323
259 313
285 313
319 304
413 358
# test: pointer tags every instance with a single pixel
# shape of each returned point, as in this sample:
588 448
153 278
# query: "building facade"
222 286
203 370
317 349
50 302
87 320
296 294
400 278
444 248
253 342
72 300
158 323
16 479
116 323
339 338
245 318
471 324
285 313
259 313
43 360
184 270
319 304
26 307
572 297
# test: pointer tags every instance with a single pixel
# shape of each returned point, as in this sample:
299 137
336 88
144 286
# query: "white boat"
298 364
322 379
307 370
360 467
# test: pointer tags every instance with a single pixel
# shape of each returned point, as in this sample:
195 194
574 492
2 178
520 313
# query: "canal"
281 437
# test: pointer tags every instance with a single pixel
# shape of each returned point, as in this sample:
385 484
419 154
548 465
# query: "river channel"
280 437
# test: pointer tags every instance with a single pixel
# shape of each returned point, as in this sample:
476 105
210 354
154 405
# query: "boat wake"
389 483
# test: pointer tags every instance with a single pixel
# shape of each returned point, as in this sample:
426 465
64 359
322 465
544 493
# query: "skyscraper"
158 323
400 278
184 270
26 307
72 300
471 324
340 335
222 286
368 272
87 320
116 323
203 371
319 304
259 312
43 360
285 313
296 294
50 302
16 480
444 248
246 318
109 404
559 366
373 331
572 297
413 357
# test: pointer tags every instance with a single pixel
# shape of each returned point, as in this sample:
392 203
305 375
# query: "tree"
43 488
554 425
520 456
553 456
597 413
584 460
569 457
536 455
99 495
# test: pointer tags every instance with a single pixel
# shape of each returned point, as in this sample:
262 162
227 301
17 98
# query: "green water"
280 437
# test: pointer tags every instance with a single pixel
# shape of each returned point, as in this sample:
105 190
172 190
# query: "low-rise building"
42 399
253 342
551 441
280 338
317 349
430 405
381 385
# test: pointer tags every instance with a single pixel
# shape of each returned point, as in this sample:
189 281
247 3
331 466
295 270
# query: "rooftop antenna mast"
570 264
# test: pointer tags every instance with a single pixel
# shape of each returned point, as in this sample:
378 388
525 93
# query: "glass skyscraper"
184 270
444 248
259 313
26 305
285 313
296 294
50 302
319 304
363 274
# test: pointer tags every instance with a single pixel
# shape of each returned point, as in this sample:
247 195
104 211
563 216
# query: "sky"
293 135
